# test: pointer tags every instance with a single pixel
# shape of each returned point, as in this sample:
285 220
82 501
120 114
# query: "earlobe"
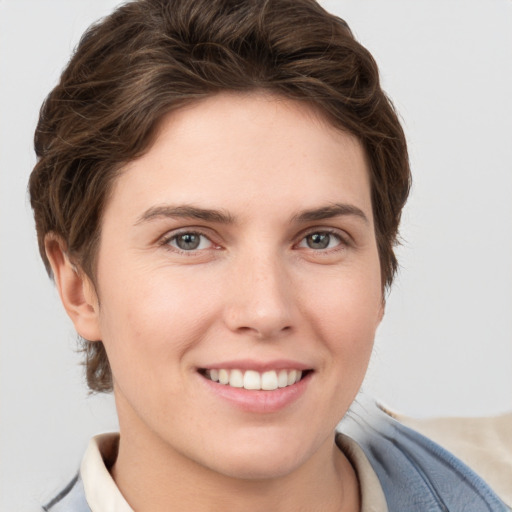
75 289
382 309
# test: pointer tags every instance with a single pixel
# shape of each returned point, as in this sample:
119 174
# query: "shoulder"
415 472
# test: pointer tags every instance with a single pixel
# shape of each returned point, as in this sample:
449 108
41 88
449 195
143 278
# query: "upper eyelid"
200 230
187 229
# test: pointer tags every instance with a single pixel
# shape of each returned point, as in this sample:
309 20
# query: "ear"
381 311
76 290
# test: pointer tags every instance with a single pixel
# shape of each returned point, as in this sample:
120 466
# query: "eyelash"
343 241
166 242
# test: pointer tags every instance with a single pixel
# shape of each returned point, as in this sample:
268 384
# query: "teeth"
236 379
223 376
269 381
292 377
282 379
252 379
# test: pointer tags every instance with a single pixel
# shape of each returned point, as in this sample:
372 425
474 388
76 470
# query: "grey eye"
321 240
190 241
318 240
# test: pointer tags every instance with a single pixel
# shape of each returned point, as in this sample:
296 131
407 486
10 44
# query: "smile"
254 380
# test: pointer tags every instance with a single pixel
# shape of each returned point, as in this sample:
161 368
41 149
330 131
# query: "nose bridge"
259 298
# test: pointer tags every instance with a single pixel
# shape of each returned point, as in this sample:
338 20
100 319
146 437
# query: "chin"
260 460
263 468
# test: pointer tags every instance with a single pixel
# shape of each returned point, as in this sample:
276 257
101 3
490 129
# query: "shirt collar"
101 492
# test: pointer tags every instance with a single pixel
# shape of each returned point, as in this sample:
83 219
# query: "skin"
255 289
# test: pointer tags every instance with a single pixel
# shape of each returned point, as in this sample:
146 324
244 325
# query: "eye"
321 240
189 241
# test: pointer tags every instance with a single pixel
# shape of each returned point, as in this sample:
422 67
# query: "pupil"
188 241
318 240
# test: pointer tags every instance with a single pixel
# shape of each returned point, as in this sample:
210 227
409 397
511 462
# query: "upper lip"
259 366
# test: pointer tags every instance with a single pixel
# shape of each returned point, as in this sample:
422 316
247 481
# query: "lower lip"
259 401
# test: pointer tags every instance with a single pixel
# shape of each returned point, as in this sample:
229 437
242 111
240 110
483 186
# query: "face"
238 285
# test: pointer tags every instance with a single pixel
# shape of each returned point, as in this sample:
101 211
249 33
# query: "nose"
260 298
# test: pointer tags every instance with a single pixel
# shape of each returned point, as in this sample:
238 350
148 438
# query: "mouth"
254 380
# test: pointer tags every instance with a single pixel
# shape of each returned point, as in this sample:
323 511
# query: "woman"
217 195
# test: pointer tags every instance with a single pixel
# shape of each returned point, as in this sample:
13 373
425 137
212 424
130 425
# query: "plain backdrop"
445 345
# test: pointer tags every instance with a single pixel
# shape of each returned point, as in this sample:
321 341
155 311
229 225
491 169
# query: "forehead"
246 150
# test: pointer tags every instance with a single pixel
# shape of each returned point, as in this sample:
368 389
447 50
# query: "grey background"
445 345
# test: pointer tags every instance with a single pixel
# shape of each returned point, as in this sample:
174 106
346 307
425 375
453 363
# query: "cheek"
150 322
347 313
350 297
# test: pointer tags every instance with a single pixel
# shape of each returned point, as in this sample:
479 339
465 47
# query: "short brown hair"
152 56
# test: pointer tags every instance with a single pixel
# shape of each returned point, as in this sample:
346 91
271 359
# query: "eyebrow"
330 211
222 217
187 212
